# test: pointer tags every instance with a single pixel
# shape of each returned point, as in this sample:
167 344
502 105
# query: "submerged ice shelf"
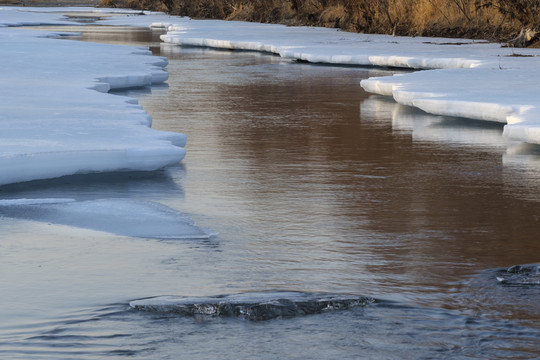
126 217
56 115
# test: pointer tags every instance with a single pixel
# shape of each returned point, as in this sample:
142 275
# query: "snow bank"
53 120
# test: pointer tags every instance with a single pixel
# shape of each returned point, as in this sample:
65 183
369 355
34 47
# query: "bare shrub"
526 13
334 16
491 19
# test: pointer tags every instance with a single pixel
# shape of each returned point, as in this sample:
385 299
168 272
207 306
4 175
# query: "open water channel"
312 185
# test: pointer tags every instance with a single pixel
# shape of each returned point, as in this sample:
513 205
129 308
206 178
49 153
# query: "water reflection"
118 35
426 127
362 193
521 170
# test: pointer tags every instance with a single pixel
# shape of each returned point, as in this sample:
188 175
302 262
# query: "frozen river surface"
313 186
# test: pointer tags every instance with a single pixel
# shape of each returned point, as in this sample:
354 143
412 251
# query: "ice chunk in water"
253 305
118 216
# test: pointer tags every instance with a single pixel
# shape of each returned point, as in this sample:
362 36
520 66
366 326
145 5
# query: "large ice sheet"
22 15
56 115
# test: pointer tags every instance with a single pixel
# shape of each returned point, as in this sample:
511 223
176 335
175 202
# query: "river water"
312 185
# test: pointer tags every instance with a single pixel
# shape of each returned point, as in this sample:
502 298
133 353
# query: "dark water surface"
313 185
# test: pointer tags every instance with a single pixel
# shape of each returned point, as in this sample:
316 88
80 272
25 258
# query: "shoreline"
513 22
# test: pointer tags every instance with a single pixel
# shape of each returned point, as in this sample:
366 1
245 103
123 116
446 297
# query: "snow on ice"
56 115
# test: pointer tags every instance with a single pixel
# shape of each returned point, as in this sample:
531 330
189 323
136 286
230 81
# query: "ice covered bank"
471 79
55 113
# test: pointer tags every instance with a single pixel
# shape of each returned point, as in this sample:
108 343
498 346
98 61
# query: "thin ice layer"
56 116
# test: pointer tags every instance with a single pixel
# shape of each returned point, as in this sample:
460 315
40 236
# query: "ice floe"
252 305
509 96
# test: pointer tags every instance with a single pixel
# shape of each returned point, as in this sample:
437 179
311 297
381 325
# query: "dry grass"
486 19
334 16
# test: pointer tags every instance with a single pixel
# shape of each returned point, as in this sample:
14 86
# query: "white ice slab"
322 45
56 115
19 16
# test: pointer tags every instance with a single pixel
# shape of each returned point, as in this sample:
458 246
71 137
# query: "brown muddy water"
312 185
